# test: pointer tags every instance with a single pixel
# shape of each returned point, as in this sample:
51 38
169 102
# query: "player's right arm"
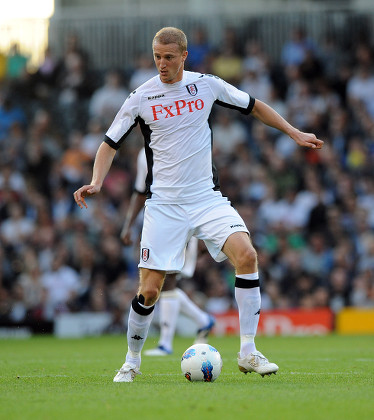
123 123
103 161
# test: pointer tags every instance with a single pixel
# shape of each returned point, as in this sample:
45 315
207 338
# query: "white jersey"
178 139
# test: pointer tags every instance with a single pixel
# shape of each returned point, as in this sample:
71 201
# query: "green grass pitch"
319 378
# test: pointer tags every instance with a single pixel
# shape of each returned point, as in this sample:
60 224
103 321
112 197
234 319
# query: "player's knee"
151 295
246 260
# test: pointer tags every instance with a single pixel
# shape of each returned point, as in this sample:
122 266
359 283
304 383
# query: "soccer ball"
201 362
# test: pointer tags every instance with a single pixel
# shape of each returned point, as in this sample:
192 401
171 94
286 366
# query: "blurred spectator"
30 283
16 62
256 59
360 89
256 78
271 297
317 256
62 205
43 127
13 147
3 66
366 257
73 45
357 155
108 99
38 162
256 84
62 285
332 56
218 297
339 289
227 65
121 294
228 133
294 50
12 179
112 264
302 106
311 68
199 49
17 227
93 137
18 310
6 269
144 70
232 41
227 62
10 114
276 101
44 80
362 293
76 86
73 160
48 69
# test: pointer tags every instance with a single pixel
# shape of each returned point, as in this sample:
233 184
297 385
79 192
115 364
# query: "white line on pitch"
324 373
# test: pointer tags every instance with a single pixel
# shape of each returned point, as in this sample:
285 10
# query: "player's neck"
179 77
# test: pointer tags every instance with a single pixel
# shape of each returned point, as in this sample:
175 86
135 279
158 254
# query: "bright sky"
20 9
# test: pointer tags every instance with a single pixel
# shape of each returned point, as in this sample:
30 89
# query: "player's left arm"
270 117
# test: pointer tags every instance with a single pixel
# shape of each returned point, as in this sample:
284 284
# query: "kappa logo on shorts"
192 89
145 254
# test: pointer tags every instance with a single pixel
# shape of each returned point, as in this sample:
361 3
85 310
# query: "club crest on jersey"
145 254
192 89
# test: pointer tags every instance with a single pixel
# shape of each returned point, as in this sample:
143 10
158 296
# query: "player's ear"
184 55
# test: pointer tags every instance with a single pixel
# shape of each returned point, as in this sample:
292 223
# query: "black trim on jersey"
111 143
245 111
216 182
116 145
146 131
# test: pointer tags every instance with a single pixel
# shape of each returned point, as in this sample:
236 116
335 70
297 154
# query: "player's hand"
83 192
126 236
307 140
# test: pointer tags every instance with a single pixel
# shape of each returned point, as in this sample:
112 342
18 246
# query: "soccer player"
184 200
172 299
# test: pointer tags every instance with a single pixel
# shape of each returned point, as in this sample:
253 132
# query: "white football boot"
158 351
127 373
256 362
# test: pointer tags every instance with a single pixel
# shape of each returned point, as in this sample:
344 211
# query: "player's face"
169 61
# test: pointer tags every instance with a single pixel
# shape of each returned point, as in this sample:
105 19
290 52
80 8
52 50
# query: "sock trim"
246 284
136 306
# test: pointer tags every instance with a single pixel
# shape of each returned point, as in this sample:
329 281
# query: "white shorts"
167 229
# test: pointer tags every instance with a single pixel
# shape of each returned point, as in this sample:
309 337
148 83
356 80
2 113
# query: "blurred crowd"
310 213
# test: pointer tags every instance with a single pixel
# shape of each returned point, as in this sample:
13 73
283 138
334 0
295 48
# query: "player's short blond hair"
171 35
